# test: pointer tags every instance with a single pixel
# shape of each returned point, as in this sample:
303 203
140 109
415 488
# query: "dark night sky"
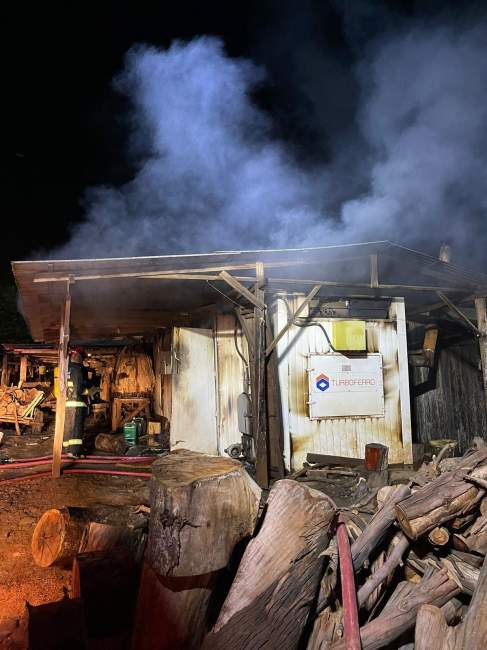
66 129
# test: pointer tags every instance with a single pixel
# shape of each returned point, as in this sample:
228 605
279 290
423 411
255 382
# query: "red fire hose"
131 459
78 461
349 594
111 472
95 460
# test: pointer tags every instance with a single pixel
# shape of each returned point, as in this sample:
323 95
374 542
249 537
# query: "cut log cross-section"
56 538
202 507
435 503
279 576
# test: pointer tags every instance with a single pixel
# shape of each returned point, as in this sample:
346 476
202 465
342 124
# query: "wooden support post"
63 375
4 378
398 309
23 369
274 410
259 411
246 329
374 271
481 310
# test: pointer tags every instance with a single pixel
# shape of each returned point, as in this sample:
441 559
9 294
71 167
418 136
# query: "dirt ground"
21 506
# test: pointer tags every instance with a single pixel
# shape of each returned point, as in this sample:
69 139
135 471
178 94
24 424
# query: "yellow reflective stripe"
74 403
72 441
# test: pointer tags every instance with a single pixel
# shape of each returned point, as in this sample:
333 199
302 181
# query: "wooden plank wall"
449 402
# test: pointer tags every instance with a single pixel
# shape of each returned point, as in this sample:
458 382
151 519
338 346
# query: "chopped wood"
400 613
435 503
327 628
399 545
378 527
433 633
324 459
439 536
376 457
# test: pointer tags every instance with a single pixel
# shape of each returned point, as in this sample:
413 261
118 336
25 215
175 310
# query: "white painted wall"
342 436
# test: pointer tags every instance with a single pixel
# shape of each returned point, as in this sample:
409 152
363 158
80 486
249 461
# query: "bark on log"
399 615
462 567
56 537
433 633
102 537
201 508
278 578
475 537
399 544
62 533
435 503
380 523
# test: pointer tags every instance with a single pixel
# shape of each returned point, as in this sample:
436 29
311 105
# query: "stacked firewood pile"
420 574
410 573
421 548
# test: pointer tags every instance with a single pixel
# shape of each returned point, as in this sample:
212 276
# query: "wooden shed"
234 333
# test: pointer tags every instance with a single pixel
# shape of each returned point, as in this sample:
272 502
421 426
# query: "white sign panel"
341 386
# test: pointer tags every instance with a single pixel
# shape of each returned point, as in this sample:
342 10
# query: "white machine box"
341 386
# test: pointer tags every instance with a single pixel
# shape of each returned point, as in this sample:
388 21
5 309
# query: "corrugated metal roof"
124 296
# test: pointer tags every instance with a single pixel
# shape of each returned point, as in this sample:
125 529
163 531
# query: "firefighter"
76 405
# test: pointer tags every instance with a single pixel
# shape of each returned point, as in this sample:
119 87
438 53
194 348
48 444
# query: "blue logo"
322 382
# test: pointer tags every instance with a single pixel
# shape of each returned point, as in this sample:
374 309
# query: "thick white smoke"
211 177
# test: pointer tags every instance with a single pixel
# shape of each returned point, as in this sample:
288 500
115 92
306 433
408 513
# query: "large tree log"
435 503
279 575
62 533
202 507
56 537
433 633
376 530
399 615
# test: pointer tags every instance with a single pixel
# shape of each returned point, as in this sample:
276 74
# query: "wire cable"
315 324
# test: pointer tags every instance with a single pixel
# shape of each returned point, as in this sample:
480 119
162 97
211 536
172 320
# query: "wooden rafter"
459 313
256 300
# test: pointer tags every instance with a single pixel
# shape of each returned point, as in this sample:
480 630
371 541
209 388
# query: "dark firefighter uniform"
75 405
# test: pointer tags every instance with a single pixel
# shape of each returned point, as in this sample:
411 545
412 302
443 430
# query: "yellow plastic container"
348 335
56 381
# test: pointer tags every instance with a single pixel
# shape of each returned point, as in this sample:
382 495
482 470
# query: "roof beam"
243 291
459 313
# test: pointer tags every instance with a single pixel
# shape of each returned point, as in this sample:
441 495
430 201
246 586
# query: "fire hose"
77 471
94 460
351 625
